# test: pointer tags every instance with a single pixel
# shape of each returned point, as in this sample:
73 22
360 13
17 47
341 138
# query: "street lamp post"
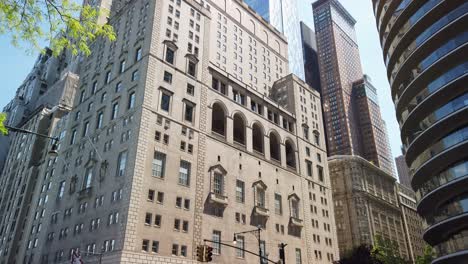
256 232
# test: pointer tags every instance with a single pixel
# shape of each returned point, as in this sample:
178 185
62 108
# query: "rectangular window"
218 85
135 75
99 118
148 218
183 251
160 198
155 246
61 190
115 110
278 204
309 168
121 163
118 87
190 89
94 88
317 139
82 96
295 208
122 66
131 100
88 180
138 54
73 137
240 253
175 249
320 173
298 256
157 220
216 238
159 164
261 198
85 129
240 191
178 202
165 102
167 77
188 116
184 173
218 183
151 195
145 245
306 133
192 68
170 55
108 77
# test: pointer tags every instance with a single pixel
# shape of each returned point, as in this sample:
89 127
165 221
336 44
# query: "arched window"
239 129
290 155
218 120
238 15
275 146
252 26
257 137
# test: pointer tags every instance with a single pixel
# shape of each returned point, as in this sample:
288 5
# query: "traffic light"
201 253
209 254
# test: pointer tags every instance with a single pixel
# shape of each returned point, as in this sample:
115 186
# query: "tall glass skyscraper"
425 48
282 14
354 125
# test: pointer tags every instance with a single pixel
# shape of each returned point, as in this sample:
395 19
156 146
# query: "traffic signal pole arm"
250 252
24 131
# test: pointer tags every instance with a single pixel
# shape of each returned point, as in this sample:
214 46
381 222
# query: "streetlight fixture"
53 152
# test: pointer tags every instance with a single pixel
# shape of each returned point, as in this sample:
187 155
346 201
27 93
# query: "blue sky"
16 63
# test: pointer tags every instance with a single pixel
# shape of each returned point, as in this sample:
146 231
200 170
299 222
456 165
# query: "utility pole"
256 232
282 254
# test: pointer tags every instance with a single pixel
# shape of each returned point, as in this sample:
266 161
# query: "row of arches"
239 130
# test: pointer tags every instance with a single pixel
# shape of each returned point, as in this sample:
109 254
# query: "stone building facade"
403 171
21 177
413 224
369 202
366 204
186 128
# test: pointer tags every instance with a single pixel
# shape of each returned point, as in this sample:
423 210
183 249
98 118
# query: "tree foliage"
428 256
65 24
386 251
3 129
359 255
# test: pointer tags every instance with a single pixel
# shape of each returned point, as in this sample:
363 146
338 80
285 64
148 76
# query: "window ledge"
296 221
217 198
261 211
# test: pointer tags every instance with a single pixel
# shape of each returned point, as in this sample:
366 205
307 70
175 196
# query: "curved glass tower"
425 48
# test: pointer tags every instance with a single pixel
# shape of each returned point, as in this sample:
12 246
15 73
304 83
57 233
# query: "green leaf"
64 24
3 129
